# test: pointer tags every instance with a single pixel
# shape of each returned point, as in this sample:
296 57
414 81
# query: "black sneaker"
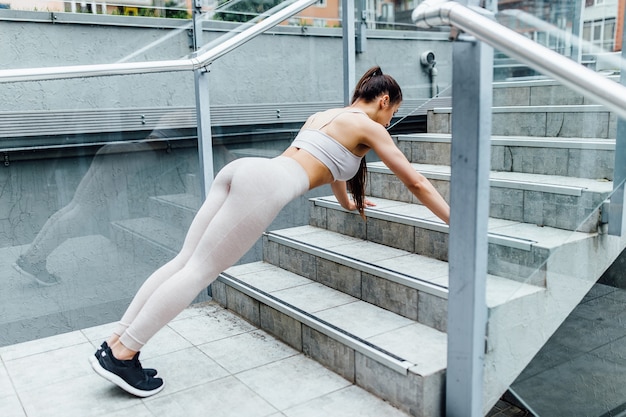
37 272
127 374
150 372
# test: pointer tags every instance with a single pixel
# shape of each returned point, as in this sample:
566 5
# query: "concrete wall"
288 64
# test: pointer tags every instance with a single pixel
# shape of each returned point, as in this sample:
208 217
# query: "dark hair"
371 85
374 83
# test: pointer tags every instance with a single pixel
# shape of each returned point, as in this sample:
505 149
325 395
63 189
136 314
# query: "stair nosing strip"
363 266
496 182
509 241
360 345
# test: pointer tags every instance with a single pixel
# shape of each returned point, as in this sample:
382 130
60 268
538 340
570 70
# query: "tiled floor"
217 364
213 362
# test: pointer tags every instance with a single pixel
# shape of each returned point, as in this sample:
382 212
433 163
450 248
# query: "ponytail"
356 186
371 85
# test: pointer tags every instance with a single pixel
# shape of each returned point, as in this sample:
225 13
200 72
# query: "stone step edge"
360 265
499 239
562 108
373 352
520 141
170 200
442 173
122 225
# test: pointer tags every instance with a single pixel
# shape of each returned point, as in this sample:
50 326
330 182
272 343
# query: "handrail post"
469 201
349 48
617 208
203 111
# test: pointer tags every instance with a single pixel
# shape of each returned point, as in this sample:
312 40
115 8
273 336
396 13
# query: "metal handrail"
575 76
125 68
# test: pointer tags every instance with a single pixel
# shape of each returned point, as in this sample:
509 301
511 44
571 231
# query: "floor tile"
139 410
6 386
363 319
246 351
10 406
314 297
51 367
165 341
583 387
347 402
89 395
282 385
226 397
274 279
185 369
34 347
419 344
206 328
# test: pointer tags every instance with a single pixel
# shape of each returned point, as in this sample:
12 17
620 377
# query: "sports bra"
342 163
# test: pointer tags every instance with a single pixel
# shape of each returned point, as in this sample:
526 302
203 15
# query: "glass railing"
101 174
553 172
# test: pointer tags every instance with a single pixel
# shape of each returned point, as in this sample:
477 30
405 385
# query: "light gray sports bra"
342 163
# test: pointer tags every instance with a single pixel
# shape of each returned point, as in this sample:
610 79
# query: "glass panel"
553 162
93 166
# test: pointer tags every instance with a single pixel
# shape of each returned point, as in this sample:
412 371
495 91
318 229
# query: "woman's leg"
215 199
257 190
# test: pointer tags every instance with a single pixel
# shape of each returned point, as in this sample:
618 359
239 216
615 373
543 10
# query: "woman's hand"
351 205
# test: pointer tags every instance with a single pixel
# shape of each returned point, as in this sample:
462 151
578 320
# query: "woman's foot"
150 372
126 374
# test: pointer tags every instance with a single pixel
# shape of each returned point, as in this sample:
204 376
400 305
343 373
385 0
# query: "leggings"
244 199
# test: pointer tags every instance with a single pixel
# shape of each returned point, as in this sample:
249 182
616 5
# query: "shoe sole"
111 377
33 277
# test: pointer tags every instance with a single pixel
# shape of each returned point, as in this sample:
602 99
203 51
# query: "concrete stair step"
154 240
397 359
176 209
408 284
547 200
517 250
569 157
588 121
538 93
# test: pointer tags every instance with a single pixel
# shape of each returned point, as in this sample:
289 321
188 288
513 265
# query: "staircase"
368 299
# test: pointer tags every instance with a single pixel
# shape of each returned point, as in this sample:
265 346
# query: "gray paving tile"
347 402
275 381
206 328
314 297
10 406
596 333
165 341
52 367
422 345
582 387
139 410
226 397
6 386
88 395
246 351
272 279
186 369
34 347
363 319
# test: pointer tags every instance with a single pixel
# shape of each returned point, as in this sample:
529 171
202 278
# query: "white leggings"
244 199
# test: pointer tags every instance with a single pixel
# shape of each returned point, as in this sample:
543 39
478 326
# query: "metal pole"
349 48
469 201
203 110
617 208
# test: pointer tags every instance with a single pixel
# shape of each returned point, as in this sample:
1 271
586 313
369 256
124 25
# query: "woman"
245 197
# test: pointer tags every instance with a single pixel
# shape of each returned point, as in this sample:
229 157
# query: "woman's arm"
340 191
419 185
